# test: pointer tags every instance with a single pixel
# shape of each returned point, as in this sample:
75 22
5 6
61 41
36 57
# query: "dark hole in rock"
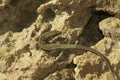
49 15
71 66
92 34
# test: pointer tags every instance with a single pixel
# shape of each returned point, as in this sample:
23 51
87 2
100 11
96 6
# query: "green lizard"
53 46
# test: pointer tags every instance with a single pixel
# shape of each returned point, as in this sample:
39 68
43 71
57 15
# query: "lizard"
55 46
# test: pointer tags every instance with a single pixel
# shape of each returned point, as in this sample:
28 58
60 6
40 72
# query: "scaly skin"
46 46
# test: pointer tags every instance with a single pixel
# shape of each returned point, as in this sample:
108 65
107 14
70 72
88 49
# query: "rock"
111 28
21 25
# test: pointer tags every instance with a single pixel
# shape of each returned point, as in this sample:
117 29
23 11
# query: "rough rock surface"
80 21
